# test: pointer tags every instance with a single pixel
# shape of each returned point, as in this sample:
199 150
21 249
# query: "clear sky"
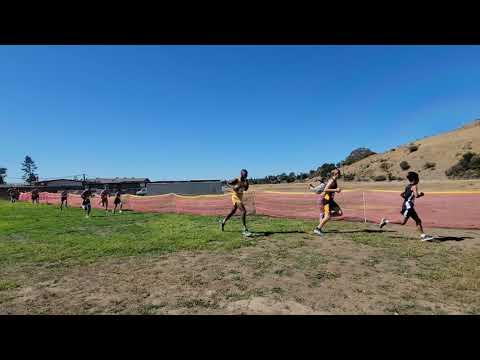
193 112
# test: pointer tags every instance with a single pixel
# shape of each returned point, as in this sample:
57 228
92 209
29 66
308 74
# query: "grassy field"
54 262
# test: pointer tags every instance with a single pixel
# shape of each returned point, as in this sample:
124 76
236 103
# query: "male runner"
327 202
240 185
104 199
12 194
117 202
86 205
35 196
63 199
408 207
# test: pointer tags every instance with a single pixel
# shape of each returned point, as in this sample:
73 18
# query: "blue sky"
192 112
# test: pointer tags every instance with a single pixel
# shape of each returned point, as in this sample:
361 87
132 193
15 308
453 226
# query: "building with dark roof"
128 185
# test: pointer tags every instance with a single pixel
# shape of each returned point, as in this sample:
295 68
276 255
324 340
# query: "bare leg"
230 214
244 216
325 219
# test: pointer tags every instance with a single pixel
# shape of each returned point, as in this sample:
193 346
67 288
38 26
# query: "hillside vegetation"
433 158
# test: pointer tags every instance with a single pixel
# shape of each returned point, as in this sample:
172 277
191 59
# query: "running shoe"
246 233
425 237
318 232
383 222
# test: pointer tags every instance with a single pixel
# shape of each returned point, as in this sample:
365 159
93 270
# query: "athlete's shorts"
328 205
117 201
409 212
64 199
104 201
237 200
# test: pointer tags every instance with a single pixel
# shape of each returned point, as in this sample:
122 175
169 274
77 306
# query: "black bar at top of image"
241 26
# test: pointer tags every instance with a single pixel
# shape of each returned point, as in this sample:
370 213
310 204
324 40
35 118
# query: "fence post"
364 208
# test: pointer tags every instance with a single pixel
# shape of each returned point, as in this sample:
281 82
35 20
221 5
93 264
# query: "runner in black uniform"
63 199
35 196
86 205
104 199
408 206
12 194
117 202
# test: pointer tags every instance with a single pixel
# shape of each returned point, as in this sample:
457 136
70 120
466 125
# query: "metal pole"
364 207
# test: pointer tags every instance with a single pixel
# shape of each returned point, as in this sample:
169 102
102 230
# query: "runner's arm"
328 190
232 182
416 193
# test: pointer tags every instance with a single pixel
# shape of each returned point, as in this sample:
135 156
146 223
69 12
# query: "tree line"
29 169
322 171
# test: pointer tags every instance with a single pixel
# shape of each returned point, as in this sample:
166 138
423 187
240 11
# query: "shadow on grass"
269 233
450 238
368 231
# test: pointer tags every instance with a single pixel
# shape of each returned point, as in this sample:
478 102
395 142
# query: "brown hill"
443 150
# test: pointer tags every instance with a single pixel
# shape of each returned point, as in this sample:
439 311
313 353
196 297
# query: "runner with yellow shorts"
327 203
239 186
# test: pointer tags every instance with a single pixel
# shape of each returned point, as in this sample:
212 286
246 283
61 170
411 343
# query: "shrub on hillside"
385 166
412 148
404 165
379 178
429 165
357 155
349 177
467 168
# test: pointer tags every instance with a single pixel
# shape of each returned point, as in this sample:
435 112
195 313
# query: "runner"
117 202
327 202
240 185
35 196
104 199
12 194
17 194
408 208
86 205
318 190
64 199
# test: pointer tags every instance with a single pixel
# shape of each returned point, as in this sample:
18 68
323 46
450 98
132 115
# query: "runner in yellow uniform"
239 186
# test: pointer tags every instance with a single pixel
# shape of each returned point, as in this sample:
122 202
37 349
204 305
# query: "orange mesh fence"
450 210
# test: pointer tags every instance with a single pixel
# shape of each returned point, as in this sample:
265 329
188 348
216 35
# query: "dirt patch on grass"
347 272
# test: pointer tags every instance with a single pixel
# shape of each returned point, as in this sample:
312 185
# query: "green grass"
42 233
7 285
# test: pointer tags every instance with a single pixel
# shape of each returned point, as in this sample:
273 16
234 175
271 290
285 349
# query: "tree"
29 169
3 174
357 155
325 170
